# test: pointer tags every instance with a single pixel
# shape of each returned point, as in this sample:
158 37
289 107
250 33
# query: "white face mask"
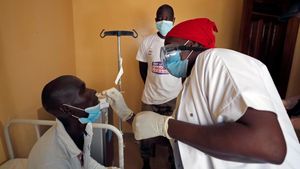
164 26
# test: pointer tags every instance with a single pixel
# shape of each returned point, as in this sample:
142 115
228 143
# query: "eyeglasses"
170 49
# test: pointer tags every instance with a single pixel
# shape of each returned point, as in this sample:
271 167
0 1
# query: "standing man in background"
161 88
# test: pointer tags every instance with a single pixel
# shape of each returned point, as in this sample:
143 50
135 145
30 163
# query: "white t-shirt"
222 85
56 150
160 86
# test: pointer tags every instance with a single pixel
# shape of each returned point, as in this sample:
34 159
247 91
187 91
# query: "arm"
290 102
143 70
255 137
296 122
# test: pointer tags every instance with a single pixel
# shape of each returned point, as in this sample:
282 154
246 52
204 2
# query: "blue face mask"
164 27
94 113
175 65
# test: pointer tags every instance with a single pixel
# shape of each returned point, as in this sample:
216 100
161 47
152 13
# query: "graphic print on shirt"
157 67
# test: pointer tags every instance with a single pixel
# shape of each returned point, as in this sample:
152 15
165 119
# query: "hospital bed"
21 163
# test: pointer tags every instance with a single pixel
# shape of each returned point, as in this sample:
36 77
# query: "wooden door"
267 36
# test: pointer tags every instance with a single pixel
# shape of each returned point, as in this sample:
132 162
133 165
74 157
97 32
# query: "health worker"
229 114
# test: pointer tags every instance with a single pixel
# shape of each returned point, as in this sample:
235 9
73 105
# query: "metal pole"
119 33
119 135
119 68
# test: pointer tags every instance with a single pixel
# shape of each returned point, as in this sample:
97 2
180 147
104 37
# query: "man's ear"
63 112
174 20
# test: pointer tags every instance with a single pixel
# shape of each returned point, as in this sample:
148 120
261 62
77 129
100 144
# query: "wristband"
128 117
166 126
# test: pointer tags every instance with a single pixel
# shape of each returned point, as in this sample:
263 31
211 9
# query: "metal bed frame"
37 123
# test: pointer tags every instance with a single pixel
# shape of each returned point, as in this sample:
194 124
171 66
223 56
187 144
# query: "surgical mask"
164 27
94 113
173 63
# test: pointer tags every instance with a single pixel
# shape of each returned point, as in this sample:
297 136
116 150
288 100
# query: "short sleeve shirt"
160 86
222 85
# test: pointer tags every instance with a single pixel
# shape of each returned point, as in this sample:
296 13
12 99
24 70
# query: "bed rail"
37 123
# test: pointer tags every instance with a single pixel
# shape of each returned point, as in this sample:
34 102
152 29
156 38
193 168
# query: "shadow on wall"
42 114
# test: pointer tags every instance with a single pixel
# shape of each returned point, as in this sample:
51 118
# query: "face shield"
169 50
170 55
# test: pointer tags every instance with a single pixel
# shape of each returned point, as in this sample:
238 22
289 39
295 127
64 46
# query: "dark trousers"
147 146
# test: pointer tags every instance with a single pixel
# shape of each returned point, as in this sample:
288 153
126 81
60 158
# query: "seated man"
66 145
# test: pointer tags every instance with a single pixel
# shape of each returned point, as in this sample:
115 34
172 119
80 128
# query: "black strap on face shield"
183 48
170 48
189 48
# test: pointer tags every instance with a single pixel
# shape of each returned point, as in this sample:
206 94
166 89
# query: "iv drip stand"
119 33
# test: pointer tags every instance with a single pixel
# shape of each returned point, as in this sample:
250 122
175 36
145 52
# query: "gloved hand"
148 124
116 101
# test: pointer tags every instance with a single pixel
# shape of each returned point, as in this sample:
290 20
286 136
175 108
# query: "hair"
57 92
166 8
